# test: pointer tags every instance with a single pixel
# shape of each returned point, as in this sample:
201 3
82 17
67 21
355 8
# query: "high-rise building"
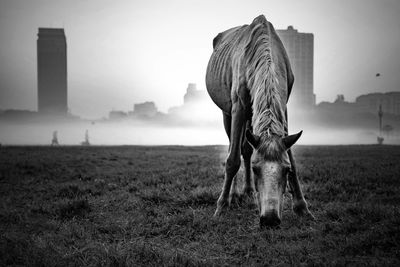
52 71
300 49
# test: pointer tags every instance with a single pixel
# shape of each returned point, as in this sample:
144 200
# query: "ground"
141 206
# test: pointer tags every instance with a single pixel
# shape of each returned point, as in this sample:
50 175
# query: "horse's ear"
253 139
290 140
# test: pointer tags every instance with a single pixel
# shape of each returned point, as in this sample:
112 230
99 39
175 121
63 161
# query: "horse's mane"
268 114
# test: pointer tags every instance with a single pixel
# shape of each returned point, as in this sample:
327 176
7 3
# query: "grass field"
141 206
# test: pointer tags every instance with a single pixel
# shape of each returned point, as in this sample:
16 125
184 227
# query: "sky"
126 52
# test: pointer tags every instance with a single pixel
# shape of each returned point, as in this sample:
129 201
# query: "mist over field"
130 132
111 134
195 122
192 124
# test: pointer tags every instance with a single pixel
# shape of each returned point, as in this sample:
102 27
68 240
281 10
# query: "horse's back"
226 46
219 69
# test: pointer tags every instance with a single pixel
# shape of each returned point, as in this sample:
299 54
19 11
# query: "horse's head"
270 167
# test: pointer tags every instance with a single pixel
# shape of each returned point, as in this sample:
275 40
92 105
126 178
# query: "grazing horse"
249 78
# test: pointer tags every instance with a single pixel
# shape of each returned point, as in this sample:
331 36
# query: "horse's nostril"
270 219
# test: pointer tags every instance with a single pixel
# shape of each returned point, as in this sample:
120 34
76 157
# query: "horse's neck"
268 123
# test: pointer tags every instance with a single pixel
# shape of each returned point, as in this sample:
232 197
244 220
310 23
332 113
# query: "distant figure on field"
86 142
380 138
54 141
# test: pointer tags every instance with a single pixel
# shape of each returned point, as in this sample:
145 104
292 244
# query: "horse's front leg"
300 206
247 151
233 160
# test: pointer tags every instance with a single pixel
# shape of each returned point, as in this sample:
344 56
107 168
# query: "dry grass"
141 206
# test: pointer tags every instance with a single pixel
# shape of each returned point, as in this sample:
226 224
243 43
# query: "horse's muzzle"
270 219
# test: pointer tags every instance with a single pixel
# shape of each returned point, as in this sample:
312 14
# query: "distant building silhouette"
146 109
197 107
339 99
52 71
194 96
370 103
18 115
117 115
300 49
363 113
339 105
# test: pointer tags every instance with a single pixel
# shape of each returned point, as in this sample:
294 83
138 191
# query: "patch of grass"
70 191
147 206
18 249
202 196
72 208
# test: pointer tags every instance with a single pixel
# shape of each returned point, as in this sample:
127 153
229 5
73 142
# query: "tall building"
52 71
300 49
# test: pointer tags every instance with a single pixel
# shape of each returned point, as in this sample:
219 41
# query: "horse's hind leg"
227 124
299 203
233 160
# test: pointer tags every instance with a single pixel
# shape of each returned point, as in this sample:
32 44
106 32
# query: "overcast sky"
125 52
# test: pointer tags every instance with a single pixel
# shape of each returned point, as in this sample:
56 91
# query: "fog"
109 133
198 121
145 133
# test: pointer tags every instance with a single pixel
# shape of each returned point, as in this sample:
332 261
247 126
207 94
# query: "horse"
249 78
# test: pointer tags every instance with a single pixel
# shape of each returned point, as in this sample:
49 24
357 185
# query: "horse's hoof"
310 216
221 205
249 191
301 209
248 199
234 200
217 213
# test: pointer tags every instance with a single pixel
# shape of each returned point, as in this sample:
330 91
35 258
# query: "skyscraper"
300 49
52 71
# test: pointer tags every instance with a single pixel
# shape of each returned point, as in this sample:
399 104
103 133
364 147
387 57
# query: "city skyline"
134 52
